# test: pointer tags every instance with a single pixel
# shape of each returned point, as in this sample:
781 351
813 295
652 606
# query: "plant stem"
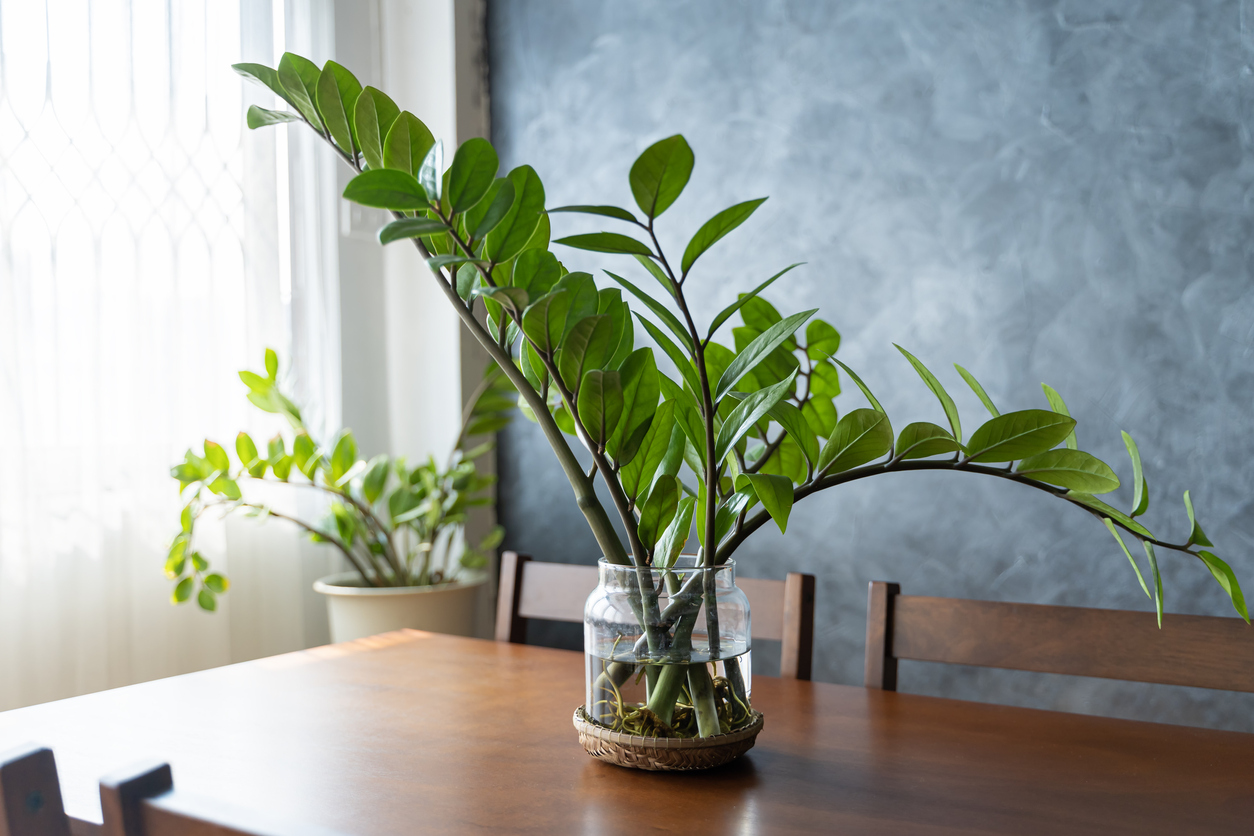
702 689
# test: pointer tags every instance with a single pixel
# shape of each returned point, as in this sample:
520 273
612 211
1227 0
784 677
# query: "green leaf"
386 189
744 299
1017 435
511 298
410 228
604 211
760 314
183 590
544 321
656 272
657 511
675 537
376 479
373 117
1140 490
947 403
537 271
264 76
259 117
282 468
775 494
622 332
302 451
176 559
865 390
407 144
1118 539
861 436
659 310
429 173
824 380
920 440
1090 501
186 518
600 404
978 390
217 583
337 94
757 350
512 234
198 562
343 457
472 173
299 77
206 601
821 415
637 474
585 300
798 427
640 393
439 261
1056 404
1071 469
272 364
658 176
584 349
747 413
217 457
245 449
485 215
822 340
1158 580
1195 530
678 357
1226 579
606 242
713 230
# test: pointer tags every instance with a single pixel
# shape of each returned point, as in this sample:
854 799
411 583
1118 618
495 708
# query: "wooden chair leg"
510 626
30 794
881 665
796 655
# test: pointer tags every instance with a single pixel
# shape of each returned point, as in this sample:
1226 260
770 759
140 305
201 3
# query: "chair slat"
556 591
30 794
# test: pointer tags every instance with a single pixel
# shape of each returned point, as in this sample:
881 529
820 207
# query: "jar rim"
682 566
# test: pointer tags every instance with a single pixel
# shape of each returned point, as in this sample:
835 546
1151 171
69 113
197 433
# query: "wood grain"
417 733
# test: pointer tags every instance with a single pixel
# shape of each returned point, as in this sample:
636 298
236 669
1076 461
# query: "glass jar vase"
667 650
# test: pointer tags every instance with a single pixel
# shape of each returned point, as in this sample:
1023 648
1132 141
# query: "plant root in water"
636 719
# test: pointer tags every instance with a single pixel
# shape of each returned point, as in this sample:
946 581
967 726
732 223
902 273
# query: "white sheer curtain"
148 251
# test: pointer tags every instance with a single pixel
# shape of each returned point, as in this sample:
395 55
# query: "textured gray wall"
1054 192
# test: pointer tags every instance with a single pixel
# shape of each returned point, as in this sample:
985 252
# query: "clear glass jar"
652 668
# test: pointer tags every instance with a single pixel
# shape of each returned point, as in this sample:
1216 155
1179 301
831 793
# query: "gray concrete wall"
1054 192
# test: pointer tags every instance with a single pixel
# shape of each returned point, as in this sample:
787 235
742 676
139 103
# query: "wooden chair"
783 611
137 802
1201 651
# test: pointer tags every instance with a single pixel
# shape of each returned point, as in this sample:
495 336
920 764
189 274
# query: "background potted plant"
756 427
400 526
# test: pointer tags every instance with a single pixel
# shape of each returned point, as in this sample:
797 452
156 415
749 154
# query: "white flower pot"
357 611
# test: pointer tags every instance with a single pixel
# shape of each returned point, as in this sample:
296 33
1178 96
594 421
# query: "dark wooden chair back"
783 611
30 795
1200 651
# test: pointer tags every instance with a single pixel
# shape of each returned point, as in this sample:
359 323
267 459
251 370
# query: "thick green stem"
702 689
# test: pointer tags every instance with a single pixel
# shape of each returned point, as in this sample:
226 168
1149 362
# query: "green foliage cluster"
754 425
395 523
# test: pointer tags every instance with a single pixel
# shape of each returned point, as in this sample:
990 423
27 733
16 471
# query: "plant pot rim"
348 584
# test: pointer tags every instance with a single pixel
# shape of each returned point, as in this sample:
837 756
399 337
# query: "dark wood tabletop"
419 733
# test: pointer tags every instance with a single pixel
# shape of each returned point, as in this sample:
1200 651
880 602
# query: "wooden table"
418 733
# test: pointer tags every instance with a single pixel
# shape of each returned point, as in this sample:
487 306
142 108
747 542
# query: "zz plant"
396 524
756 427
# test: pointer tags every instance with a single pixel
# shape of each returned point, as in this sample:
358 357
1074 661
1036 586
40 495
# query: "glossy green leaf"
1056 403
337 94
658 176
198 562
585 299
978 390
604 211
1118 539
744 299
922 439
245 449
1227 580
187 519
386 189
376 479
760 314
1196 535
821 415
866 391
659 310
410 228
585 348
776 494
672 542
798 427
536 271
1090 501
544 321
217 457
343 456
272 364
488 213
757 351
787 460
655 270
637 474
861 436
512 234
747 413
657 512
206 600
600 404
373 116
1158 579
259 117
438 262
217 583
302 451
824 380
641 388
264 76
677 356
429 173
511 298
623 334
471 174
947 403
299 78
822 340
408 142
183 590
606 242
1140 490
1017 435
1071 469
713 230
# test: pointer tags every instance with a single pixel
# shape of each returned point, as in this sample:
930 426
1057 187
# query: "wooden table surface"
419 733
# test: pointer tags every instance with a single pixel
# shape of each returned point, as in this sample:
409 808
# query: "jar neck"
618 576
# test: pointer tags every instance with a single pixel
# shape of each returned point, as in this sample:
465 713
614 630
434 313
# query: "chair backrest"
30 795
1201 651
782 611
